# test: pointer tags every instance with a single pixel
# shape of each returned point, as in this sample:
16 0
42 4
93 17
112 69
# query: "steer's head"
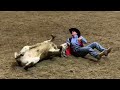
63 50
64 45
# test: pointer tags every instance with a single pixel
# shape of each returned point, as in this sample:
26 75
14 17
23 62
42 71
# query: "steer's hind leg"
17 55
21 53
32 63
24 49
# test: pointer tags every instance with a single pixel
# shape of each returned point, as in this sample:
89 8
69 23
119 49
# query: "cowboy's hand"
80 39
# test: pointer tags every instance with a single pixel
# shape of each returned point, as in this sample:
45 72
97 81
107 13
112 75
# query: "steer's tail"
53 37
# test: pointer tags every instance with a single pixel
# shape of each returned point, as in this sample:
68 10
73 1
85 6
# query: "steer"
30 55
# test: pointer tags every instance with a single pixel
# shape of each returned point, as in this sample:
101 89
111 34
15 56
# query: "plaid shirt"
75 43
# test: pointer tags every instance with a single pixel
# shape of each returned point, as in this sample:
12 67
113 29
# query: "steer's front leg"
55 52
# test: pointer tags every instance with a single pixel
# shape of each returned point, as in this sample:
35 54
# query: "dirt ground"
20 28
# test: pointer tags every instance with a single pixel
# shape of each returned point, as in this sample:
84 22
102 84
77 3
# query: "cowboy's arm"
83 39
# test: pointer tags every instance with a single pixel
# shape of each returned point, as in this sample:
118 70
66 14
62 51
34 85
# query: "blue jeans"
83 51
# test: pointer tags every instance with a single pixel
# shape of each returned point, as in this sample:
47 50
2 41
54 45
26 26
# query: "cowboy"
76 43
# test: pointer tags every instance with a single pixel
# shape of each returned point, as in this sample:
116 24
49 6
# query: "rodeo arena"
59 44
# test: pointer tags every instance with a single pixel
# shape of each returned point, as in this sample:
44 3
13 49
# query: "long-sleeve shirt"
75 43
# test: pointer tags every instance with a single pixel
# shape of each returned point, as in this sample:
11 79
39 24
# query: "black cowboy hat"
76 30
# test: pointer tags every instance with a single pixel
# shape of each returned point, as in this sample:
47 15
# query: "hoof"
26 68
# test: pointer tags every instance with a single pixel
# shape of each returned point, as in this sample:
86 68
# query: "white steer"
30 55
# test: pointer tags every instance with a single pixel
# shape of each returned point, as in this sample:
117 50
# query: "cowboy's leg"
97 46
87 50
